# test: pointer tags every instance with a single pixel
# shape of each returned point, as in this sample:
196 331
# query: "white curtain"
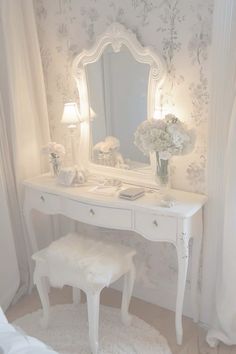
24 119
219 267
8 260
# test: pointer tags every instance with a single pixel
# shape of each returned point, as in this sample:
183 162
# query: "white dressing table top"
186 204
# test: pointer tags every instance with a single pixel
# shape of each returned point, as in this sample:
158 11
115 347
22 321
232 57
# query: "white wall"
180 31
9 272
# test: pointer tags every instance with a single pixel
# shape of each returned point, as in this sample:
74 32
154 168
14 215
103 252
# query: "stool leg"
93 302
76 296
42 287
127 293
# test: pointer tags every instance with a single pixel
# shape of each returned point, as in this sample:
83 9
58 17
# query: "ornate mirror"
118 81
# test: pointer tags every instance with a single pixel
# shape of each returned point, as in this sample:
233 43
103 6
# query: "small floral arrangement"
166 137
110 143
56 153
106 152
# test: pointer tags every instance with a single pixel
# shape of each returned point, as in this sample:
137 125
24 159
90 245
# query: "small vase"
55 165
162 173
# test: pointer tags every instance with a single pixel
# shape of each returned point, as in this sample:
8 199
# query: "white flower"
112 142
100 147
108 145
59 149
167 136
53 149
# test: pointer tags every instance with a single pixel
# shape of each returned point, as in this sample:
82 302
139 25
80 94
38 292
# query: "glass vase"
55 165
162 173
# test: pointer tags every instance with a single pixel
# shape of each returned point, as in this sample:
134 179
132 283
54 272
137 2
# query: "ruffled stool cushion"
74 259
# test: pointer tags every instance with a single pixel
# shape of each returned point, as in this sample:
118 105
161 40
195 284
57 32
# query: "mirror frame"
117 35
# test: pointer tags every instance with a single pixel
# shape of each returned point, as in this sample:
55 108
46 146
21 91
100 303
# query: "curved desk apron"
155 223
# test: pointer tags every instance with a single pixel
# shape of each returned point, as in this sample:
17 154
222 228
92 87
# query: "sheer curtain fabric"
24 124
219 266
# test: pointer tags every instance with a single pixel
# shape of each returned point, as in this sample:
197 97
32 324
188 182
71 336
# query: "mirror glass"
118 91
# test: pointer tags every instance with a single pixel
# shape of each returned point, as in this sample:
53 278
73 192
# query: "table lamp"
71 118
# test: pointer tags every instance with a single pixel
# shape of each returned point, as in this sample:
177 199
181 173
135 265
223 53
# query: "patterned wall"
180 30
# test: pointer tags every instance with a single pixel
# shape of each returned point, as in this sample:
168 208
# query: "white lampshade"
70 114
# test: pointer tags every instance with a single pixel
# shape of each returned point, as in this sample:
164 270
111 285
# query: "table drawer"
45 202
99 215
156 227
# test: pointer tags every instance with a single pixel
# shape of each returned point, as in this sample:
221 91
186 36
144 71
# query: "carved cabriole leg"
93 303
196 257
55 227
183 256
76 293
42 287
27 211
30 229
129 279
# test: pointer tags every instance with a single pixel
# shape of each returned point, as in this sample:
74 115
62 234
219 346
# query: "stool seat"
78 261
88 265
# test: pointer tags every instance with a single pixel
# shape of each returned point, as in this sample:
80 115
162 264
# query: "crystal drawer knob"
92 212
42 198
155 223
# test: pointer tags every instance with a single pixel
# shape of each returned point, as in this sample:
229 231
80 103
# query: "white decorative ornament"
71 176
66 176
80 177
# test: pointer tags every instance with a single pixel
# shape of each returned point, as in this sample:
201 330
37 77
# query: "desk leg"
196 257
33 241
30 229
55 227
183 256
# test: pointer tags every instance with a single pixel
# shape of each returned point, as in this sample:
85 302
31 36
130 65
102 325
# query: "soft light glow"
160 113
92 114
157 114
70 114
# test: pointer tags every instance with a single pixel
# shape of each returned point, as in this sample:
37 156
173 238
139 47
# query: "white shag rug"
68 332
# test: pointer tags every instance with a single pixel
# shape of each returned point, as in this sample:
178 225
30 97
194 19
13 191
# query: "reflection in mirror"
118 90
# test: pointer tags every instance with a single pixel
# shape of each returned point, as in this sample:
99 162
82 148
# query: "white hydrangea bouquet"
166 137
55 153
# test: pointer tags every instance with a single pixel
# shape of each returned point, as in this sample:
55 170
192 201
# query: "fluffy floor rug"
68 332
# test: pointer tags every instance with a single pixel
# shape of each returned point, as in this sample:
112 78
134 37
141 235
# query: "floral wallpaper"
180 30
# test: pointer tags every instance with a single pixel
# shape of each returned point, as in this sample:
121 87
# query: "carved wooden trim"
117 35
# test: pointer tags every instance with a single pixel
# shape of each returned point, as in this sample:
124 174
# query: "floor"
163 320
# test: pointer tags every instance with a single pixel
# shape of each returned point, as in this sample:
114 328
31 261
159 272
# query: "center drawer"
155 227
99 215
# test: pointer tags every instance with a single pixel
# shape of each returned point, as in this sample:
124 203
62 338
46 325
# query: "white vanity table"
176 224
119 80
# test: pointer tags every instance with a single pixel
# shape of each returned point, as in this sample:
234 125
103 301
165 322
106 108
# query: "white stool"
87 265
